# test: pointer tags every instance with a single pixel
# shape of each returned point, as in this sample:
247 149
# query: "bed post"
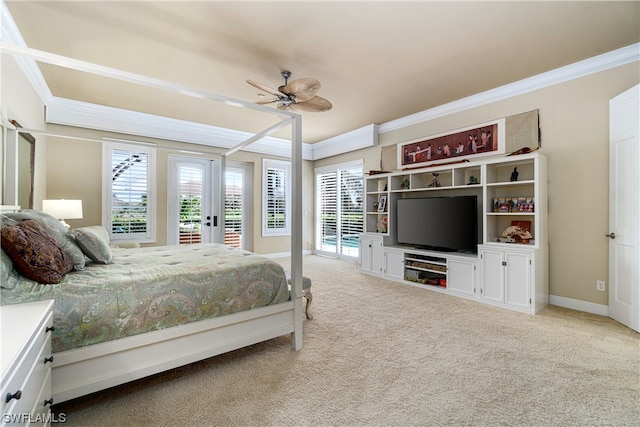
296 231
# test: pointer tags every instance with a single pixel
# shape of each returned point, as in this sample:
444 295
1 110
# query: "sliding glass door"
339 209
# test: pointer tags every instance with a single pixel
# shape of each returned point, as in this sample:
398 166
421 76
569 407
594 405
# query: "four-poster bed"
86 369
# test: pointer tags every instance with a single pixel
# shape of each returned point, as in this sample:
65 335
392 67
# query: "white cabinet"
461 277
370 259
511 192
393 262
377 204
26 363
508 278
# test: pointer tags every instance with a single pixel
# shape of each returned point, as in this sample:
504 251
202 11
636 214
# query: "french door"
193 210
194 205
339 210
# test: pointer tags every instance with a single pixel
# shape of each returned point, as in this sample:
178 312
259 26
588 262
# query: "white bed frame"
89 369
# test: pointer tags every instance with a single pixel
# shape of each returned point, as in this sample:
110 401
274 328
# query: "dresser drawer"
40 412
29 376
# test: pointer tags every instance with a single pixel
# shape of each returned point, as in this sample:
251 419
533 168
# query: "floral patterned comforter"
148 289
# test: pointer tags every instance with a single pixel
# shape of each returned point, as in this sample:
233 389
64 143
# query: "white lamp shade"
63 209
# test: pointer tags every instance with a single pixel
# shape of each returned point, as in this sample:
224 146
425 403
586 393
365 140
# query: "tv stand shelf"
425 269
506 270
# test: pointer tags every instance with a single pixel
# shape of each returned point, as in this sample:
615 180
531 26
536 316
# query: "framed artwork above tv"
484 139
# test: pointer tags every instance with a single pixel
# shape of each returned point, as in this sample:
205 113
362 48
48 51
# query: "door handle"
611 235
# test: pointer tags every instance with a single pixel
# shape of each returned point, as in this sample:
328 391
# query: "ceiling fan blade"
304 89
264 88
267 101
315 104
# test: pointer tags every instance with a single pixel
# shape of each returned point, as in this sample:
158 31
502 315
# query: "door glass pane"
339 216
233 208
190 179
327 212
351 215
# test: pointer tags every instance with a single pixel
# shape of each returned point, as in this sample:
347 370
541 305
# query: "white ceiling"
377 61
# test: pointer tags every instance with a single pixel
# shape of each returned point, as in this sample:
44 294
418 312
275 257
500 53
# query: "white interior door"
624 208
192 210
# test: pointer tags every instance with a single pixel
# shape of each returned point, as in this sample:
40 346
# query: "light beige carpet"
384 353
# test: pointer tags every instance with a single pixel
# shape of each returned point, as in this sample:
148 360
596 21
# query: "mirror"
19 161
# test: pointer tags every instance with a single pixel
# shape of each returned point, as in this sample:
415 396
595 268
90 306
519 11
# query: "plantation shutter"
339 215
233 208
276 219
351 215
129 205
327 205
191 185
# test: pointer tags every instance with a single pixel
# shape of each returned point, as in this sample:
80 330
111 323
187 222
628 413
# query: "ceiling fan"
298 94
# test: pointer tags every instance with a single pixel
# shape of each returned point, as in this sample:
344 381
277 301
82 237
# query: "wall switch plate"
600 285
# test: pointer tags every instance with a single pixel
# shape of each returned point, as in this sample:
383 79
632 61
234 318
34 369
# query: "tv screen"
438 223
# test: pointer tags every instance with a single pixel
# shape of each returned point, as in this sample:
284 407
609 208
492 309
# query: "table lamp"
63 209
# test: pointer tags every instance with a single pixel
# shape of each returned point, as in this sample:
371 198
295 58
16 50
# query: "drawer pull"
48 402
17 395
50 329
48 359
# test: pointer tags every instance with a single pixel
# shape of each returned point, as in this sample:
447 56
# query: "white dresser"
25 363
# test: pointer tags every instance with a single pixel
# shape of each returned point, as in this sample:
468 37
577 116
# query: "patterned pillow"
7 265
35 254
58 231
93 246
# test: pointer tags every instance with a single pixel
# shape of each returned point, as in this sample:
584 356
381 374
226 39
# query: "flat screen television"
438 223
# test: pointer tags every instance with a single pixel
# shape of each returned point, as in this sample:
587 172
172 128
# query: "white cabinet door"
517 279
394 264
506 276
492 274
461 276
371 253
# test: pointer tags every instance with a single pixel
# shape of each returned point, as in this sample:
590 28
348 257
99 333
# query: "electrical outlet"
600 285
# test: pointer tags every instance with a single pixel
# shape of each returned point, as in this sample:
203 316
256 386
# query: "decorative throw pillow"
58 231
6 265
35 254
93 246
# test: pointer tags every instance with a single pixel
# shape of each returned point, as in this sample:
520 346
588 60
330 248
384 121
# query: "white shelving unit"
504 272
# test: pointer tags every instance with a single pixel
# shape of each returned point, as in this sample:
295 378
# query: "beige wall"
74 172
18 101
574 126
574 122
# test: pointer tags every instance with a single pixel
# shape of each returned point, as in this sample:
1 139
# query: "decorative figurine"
514 174
405 185
434 181
473 180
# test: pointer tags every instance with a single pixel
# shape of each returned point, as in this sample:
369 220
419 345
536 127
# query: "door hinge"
504 263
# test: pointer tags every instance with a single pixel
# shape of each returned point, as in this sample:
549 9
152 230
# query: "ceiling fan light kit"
298 95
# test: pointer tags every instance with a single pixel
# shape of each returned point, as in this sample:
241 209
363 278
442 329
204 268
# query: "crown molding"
76 113
363 137
70 112
29 67
576 70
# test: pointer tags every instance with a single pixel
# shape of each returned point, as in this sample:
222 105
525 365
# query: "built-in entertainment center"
476 229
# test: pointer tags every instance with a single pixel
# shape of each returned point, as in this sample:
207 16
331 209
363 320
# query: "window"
339 210
190 187
276 200
238 205
128 196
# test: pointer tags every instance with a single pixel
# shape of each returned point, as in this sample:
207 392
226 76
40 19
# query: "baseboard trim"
574 304
284 254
